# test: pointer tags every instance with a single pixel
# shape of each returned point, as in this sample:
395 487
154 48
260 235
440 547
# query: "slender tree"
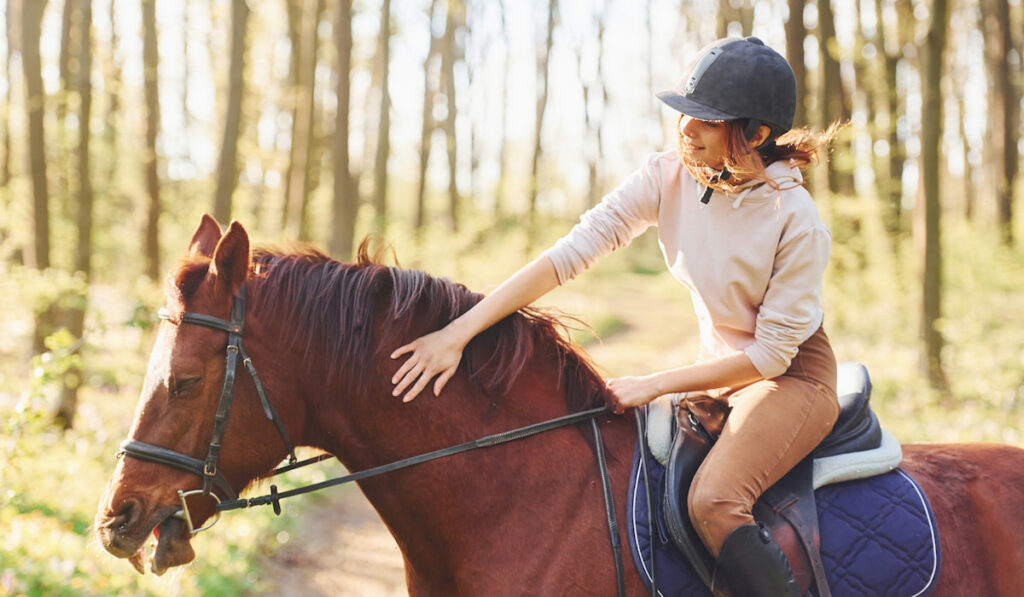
186 113
227 165
298 186
428 124
380 166
1005 110
499 192
112 84
68 403
346 196
796 33
543 76
888 172
735 11
835 103
31 60
450 54
60 154
151 66
31 29
929 213
5 125
593 97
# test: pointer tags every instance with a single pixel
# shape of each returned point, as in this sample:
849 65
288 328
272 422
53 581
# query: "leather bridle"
207 470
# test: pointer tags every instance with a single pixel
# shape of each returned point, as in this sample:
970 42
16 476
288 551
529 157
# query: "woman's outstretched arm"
438 354
730 370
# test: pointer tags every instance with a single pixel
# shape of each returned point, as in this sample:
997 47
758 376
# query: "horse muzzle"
158 540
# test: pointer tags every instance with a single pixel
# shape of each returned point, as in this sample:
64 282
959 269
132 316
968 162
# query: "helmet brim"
688 106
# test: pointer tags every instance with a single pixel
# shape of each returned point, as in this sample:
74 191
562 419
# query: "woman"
739 230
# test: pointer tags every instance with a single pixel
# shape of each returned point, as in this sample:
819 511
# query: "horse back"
977 493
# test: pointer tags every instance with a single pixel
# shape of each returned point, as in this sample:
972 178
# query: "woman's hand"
436 354
629 392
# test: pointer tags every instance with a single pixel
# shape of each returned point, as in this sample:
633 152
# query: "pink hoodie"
753 260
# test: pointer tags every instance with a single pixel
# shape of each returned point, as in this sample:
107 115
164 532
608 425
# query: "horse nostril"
125 517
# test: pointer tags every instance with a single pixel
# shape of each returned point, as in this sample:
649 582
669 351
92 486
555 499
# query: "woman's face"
703 141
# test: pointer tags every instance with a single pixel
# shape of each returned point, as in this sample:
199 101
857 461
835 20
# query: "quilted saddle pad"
878 537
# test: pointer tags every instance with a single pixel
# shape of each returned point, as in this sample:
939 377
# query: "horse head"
180 397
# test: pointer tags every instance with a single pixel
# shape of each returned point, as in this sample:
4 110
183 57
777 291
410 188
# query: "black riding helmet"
733 79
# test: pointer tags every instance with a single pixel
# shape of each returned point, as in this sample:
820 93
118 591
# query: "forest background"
122 121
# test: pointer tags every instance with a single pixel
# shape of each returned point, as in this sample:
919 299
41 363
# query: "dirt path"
341 549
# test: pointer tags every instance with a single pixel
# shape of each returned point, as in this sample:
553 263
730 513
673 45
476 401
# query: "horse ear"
205 238
231 257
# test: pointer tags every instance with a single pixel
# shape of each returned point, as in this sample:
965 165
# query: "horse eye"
179 387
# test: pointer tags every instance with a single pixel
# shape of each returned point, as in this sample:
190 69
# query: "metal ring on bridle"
184 514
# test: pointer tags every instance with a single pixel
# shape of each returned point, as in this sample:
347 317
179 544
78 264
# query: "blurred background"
466 135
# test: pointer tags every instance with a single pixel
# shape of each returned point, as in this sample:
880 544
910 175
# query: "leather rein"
207 469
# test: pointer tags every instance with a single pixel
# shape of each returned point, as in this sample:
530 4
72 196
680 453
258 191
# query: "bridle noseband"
207 469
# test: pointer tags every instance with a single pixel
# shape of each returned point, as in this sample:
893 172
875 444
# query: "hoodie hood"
784 174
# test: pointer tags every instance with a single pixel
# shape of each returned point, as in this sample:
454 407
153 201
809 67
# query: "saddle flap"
689 447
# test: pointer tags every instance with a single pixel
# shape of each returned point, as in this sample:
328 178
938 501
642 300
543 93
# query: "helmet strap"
751 128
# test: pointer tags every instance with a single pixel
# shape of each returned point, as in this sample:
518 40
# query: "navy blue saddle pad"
878 537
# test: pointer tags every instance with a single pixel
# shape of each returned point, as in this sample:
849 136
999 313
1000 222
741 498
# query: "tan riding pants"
773 425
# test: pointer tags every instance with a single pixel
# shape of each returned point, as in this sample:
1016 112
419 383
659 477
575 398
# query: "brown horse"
521 518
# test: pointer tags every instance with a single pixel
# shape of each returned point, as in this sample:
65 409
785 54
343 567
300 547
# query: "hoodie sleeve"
791 310
621 216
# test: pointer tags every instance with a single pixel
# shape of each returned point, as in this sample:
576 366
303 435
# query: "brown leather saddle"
787 507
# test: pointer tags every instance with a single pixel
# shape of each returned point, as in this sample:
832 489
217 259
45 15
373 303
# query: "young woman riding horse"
740 231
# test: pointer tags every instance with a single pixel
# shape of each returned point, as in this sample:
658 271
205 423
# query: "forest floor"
339 548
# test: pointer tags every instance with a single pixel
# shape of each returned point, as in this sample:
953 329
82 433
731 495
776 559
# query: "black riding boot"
752 564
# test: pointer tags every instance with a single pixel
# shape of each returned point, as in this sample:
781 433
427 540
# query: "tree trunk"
293 98
735 11
112 83
969 181
227 166
9 45
346 196
151 65
796 33
302 140
835 102
889 181
1005 110
39 256
31 23
592 121
186 114
428 124
930 206
380 163
68 403
499 192
449 54
543 76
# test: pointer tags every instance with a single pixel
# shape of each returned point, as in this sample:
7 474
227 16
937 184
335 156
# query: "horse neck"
442 512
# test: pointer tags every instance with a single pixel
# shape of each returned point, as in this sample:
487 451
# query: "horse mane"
333 308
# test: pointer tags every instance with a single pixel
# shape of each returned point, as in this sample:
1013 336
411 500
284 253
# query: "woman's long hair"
800 147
